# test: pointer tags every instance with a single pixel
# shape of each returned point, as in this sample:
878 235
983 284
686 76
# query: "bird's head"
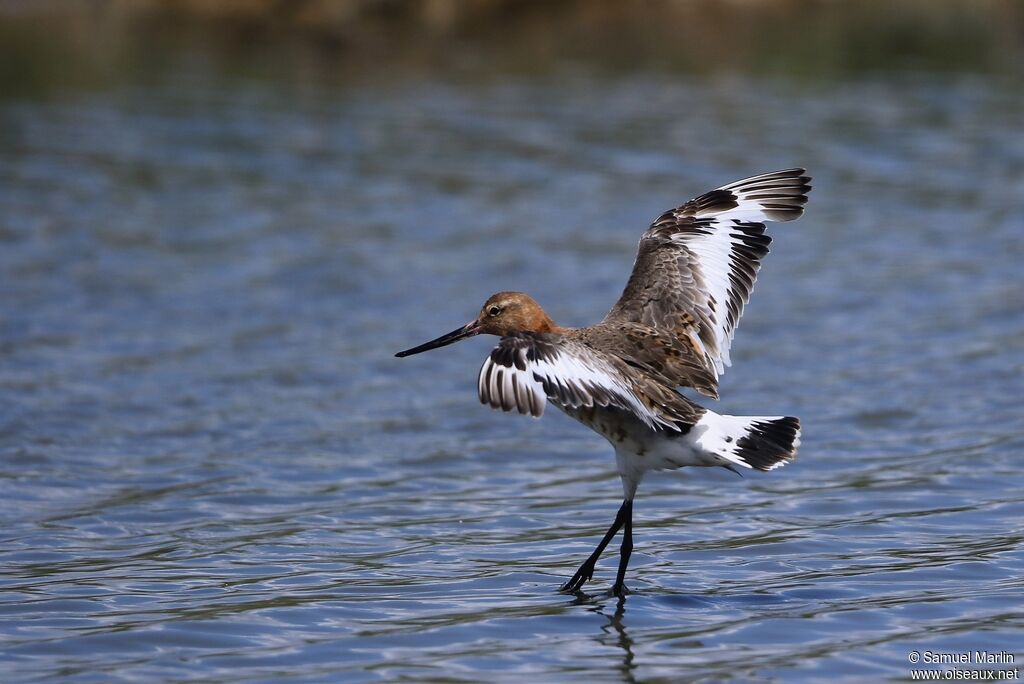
502 314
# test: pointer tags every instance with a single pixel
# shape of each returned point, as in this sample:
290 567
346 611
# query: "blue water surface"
213 469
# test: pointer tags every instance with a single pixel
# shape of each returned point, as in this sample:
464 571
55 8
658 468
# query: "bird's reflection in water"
620 637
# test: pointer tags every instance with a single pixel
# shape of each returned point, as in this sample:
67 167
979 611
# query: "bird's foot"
582 576
619 590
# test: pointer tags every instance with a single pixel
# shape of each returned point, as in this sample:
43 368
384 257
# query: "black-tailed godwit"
671 328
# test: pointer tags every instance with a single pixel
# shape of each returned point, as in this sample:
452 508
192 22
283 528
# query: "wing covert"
528 369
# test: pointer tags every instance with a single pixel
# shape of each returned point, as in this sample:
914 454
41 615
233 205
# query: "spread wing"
526 370
696 265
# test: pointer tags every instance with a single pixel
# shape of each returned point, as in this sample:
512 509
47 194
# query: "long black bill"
462 333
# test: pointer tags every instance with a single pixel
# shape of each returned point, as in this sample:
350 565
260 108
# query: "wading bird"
671 328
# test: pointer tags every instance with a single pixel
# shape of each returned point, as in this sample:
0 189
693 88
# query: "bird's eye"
494 311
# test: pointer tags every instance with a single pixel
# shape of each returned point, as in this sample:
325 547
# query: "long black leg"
619 588
586 571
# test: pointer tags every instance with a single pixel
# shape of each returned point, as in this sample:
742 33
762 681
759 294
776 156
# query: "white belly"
639 449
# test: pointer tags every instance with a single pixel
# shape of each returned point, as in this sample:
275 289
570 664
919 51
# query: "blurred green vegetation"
48 44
